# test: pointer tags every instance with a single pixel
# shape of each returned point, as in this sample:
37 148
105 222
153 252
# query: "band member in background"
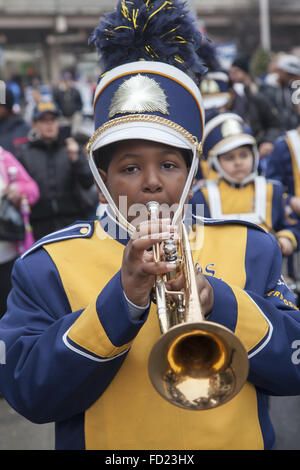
239 192
77 349
284 166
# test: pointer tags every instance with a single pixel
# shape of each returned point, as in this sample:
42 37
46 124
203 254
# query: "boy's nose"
152 182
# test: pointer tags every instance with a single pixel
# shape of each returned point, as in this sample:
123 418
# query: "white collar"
260 210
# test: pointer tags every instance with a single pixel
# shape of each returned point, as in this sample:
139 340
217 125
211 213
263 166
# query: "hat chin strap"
122 221
101 185
214 161
179 214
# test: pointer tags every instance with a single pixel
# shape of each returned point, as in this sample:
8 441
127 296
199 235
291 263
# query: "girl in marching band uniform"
239 192
284 166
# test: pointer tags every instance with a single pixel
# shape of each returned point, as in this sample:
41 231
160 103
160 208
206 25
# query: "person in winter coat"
60 169
260 113
69 100
283 92
13 128
23 185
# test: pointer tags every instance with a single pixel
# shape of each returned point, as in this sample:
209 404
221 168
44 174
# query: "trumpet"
196 364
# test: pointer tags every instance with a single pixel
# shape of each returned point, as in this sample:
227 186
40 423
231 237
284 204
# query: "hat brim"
231 143
150 131
40 115
216 101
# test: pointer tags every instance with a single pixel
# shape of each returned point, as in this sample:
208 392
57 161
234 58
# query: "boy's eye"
168 165
130 169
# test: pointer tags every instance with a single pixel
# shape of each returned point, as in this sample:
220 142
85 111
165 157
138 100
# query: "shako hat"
226 132
214 89
149 85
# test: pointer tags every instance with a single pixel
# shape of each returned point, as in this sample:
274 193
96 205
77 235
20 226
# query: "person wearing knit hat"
13 128
242 62
82 317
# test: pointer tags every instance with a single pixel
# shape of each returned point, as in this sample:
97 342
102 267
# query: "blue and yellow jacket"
283 165
76 357
241 201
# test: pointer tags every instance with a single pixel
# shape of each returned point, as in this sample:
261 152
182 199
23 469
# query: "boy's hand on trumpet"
206 293
139 267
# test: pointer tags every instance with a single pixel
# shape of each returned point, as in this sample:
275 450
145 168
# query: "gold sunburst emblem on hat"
139 94
231 127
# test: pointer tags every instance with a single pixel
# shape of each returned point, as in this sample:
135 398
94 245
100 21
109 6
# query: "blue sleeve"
199 204
280 165
264 316
280 222
48 375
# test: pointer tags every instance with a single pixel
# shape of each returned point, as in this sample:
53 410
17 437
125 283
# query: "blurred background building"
48 37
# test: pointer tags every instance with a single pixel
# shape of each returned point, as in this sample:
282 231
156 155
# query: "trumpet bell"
198 365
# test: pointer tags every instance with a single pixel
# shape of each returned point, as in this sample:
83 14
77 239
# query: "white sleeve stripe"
264 344
46 240
89 356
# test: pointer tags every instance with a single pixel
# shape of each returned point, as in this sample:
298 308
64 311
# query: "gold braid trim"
143 118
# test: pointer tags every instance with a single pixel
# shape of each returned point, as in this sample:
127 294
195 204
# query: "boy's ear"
103 175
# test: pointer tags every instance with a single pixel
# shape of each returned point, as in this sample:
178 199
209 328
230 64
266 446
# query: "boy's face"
237 163
144 171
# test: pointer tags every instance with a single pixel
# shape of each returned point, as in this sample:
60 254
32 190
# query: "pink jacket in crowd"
27 186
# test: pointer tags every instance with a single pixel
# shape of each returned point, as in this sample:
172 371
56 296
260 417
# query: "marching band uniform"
216 96
283 165
284 162
255 199
77 349
76 357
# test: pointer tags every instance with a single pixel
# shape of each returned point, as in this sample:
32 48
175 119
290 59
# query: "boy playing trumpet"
77 350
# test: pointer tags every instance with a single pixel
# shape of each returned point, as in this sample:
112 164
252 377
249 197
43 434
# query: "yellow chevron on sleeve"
251 326
78 262
88 333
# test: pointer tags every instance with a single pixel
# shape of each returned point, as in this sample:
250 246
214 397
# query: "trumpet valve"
170 250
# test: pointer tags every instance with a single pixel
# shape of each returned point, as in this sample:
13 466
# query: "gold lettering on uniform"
285 301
